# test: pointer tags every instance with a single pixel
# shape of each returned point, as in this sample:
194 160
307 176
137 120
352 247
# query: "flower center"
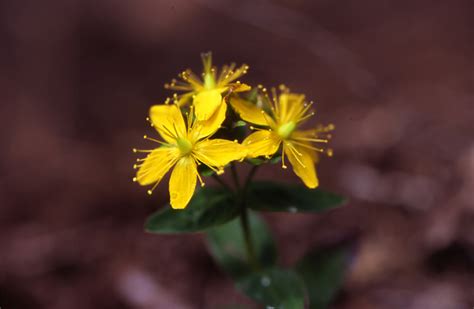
209 82
184 146
285 130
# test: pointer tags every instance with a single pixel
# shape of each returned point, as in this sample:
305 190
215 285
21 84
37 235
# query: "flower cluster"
187 122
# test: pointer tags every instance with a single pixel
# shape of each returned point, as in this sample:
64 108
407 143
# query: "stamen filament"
154 140
283 158
305 117
135 150
168 132
150 191
294 151
308 146
309 139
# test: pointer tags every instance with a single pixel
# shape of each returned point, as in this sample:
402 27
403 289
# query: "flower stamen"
296 154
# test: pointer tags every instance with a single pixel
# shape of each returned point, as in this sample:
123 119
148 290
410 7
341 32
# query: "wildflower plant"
216 124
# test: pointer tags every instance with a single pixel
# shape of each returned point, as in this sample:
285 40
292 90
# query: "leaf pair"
212 207
314 280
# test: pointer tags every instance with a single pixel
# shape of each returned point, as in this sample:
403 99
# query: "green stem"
221 182
244 222
250 177
244 219
235 176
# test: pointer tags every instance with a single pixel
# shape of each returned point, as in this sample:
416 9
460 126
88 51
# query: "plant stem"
221 182
235 176
244 220
250 177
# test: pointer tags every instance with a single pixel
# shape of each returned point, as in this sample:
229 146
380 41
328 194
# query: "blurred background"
77 79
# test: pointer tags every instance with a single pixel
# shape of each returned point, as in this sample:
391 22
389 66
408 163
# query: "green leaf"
270 196
323 273
274 288
227 246
256 161
209 207
275 159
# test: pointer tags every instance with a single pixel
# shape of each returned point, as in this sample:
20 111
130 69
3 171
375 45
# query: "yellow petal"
219 152
211 125
261 143
303 161
290 106
168 121
206 103
249 112
156 164
183 182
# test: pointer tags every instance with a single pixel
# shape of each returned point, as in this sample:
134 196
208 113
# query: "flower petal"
156 165
206 103
249 112
211 125
303 161
182 182
219 152
168 121
290 106
261 143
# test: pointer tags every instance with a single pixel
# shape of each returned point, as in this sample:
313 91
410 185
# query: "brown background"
77 79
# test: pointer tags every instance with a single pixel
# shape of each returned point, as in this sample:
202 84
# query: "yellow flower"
207 93
280 124
185 146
